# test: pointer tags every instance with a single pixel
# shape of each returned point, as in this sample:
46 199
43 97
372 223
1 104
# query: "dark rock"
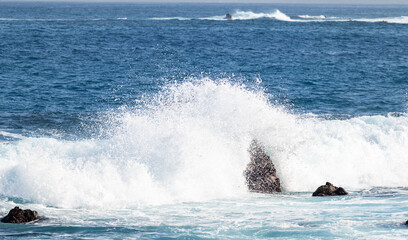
260 173
228 16
329 190
406 223
17 215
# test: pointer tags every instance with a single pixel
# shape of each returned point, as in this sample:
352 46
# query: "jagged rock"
17 215
260 173
228 16
329 190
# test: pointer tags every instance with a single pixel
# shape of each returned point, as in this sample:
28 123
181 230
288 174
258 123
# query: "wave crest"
248 15
189 143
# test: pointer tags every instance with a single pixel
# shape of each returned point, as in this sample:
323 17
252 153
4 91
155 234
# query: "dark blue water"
133 120
61 62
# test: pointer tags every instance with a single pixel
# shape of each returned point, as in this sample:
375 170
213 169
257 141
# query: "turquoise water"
133 120
362 215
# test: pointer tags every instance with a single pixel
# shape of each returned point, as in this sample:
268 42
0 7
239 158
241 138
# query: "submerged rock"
17 215
329 190
260 173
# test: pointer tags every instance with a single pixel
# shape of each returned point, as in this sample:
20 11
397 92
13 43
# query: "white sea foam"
278 15
248 15
189 143
321 18
6 133
312 17
237 15
400 20
170 18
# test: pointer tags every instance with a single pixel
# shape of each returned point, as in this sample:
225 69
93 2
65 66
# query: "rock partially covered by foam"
260 173
329 190
17 215
228 16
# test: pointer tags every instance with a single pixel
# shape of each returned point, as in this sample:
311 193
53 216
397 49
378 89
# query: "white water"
278 15
248 15
321 18
237 15
312 17
400 20
6 133
170 18
189 143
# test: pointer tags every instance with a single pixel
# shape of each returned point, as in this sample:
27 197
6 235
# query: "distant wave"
321 18
242 15
400 20
278 15
238 15
312 17
170 18
249 15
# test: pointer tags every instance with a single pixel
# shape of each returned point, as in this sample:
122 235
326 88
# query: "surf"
189 142
237 15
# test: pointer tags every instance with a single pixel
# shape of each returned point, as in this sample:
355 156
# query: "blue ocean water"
133 120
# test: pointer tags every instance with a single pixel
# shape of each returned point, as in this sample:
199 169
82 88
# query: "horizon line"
202 2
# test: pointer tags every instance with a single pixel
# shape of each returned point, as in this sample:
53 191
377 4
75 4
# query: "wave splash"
189 143
249 15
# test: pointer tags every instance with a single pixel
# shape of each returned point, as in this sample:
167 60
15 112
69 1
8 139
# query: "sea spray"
358 153
189 142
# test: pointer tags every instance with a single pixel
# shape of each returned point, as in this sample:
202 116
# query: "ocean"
133 121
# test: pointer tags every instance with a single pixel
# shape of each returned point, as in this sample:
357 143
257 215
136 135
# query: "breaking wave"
238 15
170 18
243 15
400 20
278 15
189 143
323 18
312 17
249 15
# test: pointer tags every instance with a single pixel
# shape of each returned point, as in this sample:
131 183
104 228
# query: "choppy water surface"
133 120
